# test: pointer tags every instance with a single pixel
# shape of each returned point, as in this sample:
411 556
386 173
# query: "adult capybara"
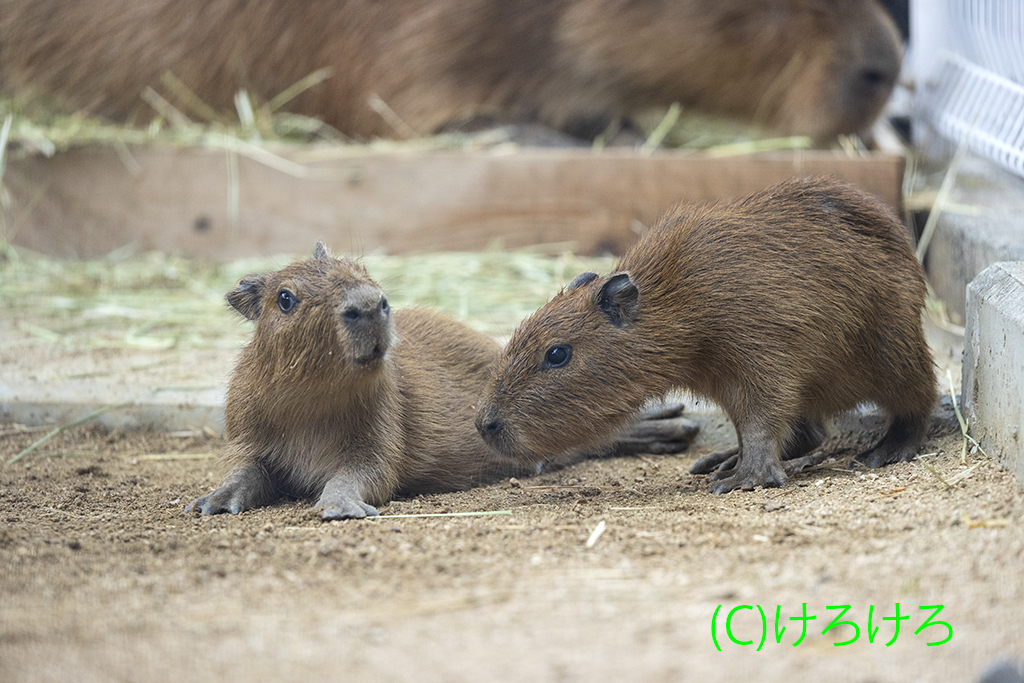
785 308
339 398
809 67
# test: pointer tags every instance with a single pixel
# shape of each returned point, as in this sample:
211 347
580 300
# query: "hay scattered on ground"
161 301
38 127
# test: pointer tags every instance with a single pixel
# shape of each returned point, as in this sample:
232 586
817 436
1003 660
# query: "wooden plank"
210 203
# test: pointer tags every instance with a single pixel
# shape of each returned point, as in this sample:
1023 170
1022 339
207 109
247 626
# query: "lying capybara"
339 398
808 67
792 305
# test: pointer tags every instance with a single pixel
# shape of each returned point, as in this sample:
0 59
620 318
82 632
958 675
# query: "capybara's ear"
321 251
580 280
617 298
247 297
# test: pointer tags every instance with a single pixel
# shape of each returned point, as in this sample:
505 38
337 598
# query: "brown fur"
790 306
811 67
339 398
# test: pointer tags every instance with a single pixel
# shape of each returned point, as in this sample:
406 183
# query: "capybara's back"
814 67
785 308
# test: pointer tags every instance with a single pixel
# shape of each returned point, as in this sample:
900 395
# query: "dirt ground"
105 579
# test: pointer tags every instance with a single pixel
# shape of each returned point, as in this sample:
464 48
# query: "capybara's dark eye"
286 301
557 356
384 307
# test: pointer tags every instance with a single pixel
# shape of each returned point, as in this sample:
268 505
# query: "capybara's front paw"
224 499
244 489
344 507
748 477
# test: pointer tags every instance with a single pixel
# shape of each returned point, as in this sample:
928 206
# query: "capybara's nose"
489 424
368 308
877 79
878 67
366 322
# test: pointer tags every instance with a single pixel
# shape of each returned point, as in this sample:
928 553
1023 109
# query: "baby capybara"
785 308
802 67
338 397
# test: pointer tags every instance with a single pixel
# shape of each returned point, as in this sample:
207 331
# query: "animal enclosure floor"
103 578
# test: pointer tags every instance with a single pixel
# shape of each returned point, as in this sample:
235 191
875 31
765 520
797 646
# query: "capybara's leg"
247 487
800 452
899 444
342 499
807 435
758 464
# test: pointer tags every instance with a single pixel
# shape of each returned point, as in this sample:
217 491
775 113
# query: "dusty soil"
105 579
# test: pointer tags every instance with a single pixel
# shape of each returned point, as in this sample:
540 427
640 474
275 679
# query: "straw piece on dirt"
757 146
595 535
941 199
482 513
167 110
296 89
894 490
190 99
391 118
268 158
23 429
963 475
574 487
963 423
185 388
656 137
5 133
648 461
63 428
234 190
174 456
938 313
984 523
246 113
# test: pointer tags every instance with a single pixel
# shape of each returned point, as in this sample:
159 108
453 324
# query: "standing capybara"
339 398
785 308
807 67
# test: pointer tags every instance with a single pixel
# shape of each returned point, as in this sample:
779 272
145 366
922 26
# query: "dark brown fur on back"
813 67
785 308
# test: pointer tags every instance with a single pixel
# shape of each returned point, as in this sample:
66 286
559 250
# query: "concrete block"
982 225
993 372
120 406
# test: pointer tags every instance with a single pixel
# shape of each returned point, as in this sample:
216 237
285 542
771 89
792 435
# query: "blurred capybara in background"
809 67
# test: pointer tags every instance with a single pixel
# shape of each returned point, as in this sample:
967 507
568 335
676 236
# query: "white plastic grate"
978 90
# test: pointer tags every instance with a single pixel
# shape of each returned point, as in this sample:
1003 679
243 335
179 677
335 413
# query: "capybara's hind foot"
710 463
794 465
899 444
658 430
